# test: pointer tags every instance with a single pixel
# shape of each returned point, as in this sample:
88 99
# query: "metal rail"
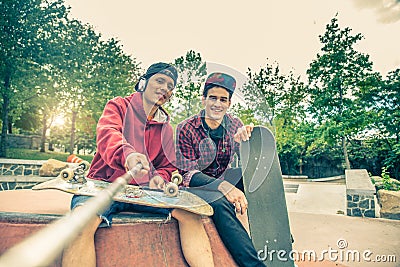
43 247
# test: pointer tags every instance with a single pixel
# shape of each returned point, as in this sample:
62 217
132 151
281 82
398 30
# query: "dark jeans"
230 229
117 207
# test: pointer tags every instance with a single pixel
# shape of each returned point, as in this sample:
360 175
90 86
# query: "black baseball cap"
160 67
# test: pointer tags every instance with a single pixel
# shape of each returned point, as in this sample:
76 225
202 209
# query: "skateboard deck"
267 211
133 194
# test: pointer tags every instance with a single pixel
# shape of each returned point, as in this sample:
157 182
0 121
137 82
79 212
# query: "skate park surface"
320 227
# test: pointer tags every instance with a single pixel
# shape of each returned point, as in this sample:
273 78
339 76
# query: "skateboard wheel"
67 174
176 178
84 165
171 190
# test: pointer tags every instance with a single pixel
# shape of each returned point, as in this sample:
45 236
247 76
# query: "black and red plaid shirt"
195 150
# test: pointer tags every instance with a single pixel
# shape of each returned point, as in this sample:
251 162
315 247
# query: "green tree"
28 26
42 101
264 91
277 100
23 106
335 77
187 97
383 102
50 99
272 95
91 72
390 119
245 114
114 74
291 126
75 69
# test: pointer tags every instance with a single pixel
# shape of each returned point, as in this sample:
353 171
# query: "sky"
243 34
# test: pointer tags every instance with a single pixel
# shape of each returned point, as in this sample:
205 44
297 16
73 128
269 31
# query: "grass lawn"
19 153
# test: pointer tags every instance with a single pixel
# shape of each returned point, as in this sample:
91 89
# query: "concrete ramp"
134 239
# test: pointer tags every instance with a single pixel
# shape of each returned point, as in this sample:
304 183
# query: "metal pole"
43 247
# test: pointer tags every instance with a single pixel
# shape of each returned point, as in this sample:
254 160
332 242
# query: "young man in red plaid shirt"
206 144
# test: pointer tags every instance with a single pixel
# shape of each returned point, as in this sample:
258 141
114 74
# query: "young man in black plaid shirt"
206 144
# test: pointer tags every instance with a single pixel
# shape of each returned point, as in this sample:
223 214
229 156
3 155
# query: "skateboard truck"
171 189
75 175
134 192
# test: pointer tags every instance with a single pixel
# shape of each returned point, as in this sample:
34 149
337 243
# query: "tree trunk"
346 156
301 166
72 139
344 145
10 131
44 130
4 117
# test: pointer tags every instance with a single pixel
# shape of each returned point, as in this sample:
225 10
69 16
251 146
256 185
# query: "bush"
386 182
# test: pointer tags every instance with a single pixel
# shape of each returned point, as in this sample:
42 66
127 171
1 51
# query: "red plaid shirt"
195 150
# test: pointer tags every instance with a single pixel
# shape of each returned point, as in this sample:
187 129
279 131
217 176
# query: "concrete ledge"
16 174
291 188
24 178
360 194
18 182
358 182
326 179
135 239
121 218
20 167
21 161
284 176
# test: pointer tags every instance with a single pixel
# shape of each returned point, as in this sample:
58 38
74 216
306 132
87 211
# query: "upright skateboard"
267 211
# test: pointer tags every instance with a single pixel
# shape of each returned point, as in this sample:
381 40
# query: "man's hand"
157 182
133 159
243 133
234 196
